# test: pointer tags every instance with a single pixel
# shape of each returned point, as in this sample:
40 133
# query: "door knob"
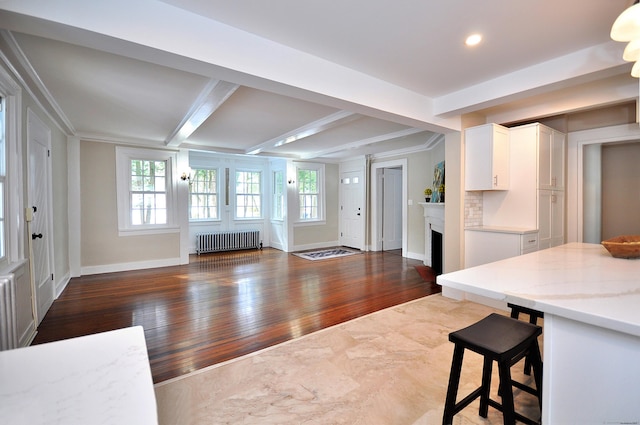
36 236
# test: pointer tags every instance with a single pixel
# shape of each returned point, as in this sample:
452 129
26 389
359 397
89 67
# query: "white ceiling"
310 79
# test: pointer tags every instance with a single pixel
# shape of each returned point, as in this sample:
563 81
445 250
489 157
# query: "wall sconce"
291 181
186 175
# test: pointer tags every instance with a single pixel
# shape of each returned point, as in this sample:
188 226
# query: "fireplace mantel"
433 220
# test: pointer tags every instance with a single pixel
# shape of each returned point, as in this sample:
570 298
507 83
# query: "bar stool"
506 341
534 315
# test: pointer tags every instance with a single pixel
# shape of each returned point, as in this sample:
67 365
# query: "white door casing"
352 209
376 202
39 148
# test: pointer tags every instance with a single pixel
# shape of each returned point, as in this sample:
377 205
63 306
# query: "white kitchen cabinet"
486 157
551 218
551 147
536 197
486 244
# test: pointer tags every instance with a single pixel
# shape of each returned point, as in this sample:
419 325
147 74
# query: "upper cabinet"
486 157
551 158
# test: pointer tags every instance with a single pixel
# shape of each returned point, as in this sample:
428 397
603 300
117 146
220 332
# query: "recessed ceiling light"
473 39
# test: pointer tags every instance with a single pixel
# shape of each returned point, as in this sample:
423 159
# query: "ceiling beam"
364 142
315 127
214 94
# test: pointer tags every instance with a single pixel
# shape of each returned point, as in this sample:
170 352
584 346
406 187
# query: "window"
148 192
310 180
203 195
248 194
145 187
278 195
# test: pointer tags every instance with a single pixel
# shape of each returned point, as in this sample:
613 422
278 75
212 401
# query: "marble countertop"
103 378
502 229
578 281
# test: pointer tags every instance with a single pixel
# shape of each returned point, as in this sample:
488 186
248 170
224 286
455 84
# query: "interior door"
392 209
39 143
352 209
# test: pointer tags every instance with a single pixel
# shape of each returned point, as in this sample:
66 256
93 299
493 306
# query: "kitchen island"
591 303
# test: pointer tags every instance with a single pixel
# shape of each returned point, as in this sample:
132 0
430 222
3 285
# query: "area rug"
389 367
324 254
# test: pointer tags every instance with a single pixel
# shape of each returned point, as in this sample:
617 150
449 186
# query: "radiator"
227 241
8 335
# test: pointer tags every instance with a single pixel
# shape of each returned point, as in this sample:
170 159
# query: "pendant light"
627 28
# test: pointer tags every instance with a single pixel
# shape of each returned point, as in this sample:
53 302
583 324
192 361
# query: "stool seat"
506 341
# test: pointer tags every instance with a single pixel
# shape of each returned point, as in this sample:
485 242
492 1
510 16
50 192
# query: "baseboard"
320 245
121 267
61 284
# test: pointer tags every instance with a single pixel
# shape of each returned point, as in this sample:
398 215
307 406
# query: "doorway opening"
389 200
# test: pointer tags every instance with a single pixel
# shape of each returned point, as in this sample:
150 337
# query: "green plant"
428 191
441 188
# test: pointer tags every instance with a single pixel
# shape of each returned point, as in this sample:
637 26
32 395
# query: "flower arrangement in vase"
441 192
427 194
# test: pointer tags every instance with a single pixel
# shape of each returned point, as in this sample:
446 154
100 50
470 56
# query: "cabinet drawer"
529 242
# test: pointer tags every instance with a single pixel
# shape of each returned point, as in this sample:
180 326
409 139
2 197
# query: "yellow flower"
441 188
428 191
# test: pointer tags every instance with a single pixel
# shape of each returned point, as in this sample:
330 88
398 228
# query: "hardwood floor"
225 305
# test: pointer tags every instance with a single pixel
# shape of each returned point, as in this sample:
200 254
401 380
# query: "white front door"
352 209
392 209
39 145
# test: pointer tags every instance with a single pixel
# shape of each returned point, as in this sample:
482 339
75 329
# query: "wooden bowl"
625 246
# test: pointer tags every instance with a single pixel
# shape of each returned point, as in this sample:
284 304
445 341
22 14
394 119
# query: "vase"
427 199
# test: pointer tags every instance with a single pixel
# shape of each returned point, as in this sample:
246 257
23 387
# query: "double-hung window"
146 188
203 195
278 195
248 194
310 184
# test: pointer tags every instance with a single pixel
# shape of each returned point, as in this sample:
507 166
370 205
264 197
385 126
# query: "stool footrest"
467 400
517 415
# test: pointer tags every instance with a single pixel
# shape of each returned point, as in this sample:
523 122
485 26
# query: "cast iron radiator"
227 241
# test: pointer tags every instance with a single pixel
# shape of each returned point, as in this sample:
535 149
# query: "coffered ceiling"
322 80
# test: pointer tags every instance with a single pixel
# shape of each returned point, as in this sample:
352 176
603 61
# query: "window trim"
320 169
124 155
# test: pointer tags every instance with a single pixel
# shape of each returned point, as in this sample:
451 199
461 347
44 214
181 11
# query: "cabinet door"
557 160
557 218
550 218
544 219
551 146
487 157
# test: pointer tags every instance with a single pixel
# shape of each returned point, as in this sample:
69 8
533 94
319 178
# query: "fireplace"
433 235
436 251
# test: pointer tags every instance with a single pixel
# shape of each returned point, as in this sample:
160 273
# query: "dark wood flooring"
225 305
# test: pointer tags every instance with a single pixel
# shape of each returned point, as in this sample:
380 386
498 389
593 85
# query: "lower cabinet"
487 244
550 218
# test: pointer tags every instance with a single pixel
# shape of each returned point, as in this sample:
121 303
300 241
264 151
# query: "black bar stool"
534 315
506 341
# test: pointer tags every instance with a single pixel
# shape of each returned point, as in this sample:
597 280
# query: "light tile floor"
390 367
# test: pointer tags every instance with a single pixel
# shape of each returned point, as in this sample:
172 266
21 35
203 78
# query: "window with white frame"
203 195
278 195
248 194
146 189
310 184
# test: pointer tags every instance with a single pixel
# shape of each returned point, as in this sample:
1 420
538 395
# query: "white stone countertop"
502 229
578 281
96 379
